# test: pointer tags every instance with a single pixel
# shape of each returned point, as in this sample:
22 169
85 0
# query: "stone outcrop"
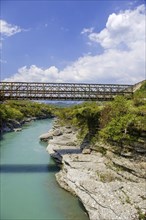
46 136
14 125
109 186
17 129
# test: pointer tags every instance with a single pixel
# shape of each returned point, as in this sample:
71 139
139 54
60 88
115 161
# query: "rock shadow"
68 151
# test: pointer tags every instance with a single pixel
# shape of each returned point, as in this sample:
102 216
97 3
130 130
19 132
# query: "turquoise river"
28 189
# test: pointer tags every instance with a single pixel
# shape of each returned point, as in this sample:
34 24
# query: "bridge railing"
62 91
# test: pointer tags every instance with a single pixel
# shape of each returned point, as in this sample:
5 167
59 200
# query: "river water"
28 189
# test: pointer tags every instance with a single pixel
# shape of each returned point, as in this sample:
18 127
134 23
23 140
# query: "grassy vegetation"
19 110
121 121
141 214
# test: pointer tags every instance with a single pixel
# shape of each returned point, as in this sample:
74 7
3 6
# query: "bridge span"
61 91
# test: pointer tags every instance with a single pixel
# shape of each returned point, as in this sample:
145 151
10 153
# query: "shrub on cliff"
18 110
8 112
85 117
140 95
31 109
122 122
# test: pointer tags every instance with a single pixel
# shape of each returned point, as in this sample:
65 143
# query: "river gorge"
27 181
110 186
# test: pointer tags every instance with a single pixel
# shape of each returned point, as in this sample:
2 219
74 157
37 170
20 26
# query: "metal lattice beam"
62 91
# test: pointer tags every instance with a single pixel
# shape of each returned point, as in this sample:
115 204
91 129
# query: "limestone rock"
57 132
110 187
17 129
46 137
86 151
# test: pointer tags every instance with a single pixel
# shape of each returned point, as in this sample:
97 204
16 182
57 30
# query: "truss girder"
62 91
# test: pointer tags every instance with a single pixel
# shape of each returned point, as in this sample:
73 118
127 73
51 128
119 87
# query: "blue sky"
73 41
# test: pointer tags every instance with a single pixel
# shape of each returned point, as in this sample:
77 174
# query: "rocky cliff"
110 187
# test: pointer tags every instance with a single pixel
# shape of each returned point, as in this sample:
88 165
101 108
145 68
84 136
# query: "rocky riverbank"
16 125
111 187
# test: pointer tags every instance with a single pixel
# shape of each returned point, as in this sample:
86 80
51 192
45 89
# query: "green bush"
21 109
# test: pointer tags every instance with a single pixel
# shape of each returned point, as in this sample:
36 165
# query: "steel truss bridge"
62 91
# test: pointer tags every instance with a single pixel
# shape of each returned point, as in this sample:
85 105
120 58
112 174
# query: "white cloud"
87 30
7 29
123 59
122 30
35 74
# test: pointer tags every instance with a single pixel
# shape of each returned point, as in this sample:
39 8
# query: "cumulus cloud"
122 61
7 29
123 30
35 74
111 67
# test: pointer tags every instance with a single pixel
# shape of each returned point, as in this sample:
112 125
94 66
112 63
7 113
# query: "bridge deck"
62 91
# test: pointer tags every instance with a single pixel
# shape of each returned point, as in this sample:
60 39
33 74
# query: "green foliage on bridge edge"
121 121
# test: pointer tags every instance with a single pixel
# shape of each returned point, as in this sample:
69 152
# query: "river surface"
28 189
